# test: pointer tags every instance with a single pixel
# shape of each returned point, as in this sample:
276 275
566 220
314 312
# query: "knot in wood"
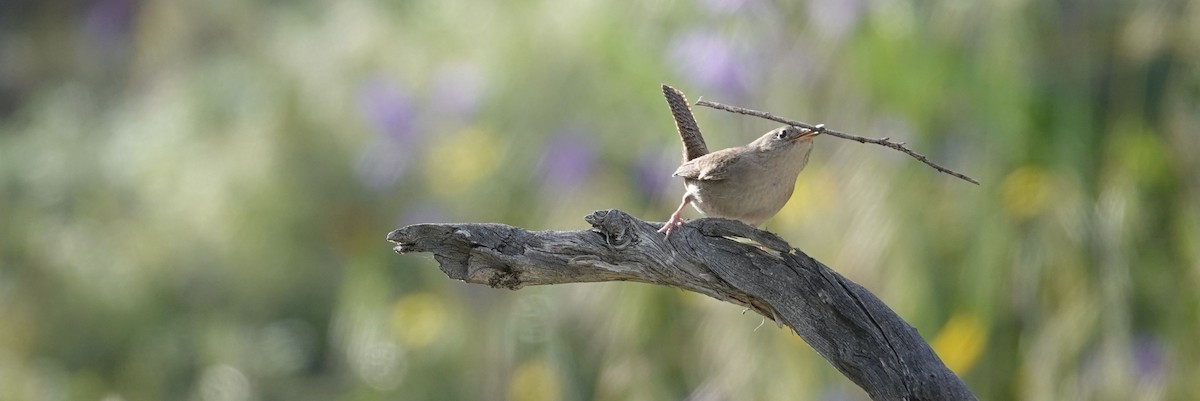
614 225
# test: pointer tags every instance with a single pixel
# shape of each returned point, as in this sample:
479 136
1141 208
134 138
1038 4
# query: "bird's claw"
671 225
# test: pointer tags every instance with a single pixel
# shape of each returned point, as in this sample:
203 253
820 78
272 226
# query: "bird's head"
786 138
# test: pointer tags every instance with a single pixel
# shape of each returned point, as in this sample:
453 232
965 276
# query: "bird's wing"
711 167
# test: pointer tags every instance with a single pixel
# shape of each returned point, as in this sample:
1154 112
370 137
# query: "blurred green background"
194 194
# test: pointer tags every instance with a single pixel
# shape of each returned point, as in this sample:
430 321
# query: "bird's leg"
675 220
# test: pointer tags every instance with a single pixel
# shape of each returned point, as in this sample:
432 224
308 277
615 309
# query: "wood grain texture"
842 321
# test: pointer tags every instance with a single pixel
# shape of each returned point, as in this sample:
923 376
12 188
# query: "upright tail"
685 122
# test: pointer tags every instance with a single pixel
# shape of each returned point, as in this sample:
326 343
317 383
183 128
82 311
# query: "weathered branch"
845 323
821 127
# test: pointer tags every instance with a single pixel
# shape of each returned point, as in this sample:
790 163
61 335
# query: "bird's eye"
782 133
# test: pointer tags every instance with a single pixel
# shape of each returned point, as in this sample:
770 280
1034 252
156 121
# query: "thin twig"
821 128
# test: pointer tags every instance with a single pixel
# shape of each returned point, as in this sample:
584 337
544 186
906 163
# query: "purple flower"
109 18
1148 357
106 26
387 108
710 61
652 173
568 160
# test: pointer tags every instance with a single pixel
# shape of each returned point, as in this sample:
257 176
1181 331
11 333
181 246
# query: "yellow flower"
960 342
535 381
457 162
1026 192
813 195
418 319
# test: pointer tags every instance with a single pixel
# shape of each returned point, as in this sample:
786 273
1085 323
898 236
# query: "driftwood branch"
821 127
841 320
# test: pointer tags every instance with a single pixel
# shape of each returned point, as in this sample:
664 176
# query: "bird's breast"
753 200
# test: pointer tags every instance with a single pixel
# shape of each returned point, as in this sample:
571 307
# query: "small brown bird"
748 183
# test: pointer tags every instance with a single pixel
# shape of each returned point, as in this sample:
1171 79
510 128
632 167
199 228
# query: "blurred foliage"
193 195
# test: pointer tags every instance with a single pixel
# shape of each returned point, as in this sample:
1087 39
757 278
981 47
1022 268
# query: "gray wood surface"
724 259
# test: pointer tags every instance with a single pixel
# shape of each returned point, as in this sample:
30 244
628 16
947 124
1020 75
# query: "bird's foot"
671 225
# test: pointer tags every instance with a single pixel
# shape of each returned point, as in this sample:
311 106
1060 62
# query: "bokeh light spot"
1025 192
224 383
815 192
960 342
418 319
457 162
534 381
1139 151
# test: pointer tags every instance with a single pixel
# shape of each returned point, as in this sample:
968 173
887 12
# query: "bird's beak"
808 133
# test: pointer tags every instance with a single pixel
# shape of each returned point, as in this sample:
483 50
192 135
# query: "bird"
749 183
